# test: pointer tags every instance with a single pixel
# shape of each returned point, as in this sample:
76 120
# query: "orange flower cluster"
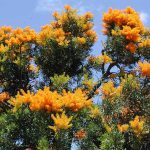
55 30
137 125
51 101
109 91
91 35
49 33
4 96
61 122
144 68
43 99
123 128
17 36
21 98
76 101
131 34
5 32
81 134
125 23
20 36
128 18
98 60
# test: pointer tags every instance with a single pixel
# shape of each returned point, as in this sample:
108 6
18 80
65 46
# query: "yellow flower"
61 122
95 112
115 33
3 48
88 83
123 128
144 68
81 40
109 91
108 129
145 43
99 60
137 125
21 98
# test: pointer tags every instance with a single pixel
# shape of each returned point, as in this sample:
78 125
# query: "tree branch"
105 75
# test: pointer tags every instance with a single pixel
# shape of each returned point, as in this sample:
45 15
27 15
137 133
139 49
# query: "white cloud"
144 17
82 6
48 5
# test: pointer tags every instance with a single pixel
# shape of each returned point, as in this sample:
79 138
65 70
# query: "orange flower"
4 96
132 34
81 134
131 47
123 128
81 40
56 14
67 7
32 68
75 101
144 68
128 22
88 15
92 35
7 28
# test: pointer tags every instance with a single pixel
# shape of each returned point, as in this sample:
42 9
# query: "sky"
36 13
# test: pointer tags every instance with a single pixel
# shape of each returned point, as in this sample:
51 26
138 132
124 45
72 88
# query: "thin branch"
105 75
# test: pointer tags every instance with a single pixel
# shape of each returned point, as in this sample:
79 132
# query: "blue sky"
35 13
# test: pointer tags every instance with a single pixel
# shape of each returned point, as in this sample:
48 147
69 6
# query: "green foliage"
60 82
43 144
112 141
7 134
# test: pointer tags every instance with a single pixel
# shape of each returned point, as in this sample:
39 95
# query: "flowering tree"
58 110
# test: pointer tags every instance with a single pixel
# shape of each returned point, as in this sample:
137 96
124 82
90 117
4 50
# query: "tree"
42 114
